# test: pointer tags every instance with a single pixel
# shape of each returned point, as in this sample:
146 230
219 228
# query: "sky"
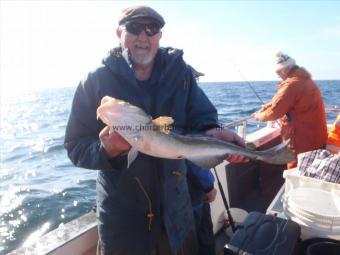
56 43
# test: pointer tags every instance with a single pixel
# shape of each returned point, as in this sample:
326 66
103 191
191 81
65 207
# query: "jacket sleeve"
82 132
200 177
281 103
202 115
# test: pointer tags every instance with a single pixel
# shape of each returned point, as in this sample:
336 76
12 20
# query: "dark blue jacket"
125 197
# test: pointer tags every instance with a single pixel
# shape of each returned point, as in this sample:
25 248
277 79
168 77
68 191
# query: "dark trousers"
204 230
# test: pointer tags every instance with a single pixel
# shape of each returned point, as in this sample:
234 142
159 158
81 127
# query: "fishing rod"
236 122
230 218
249 84
334 109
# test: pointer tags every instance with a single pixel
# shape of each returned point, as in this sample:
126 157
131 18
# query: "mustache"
142 44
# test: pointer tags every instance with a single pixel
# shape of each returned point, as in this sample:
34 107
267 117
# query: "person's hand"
211 195
265 106
229 136
259 116
113 143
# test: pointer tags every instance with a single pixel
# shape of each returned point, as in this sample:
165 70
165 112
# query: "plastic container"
238 216
312 203
294 181
311 229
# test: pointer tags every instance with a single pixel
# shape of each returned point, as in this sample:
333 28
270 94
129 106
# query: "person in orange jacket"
333 142
299 107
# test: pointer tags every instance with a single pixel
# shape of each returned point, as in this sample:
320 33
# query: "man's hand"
259 115
113 143
229 136
211 195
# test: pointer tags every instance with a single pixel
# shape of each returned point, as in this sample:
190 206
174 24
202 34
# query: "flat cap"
140 12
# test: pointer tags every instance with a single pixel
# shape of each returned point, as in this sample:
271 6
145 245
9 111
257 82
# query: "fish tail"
279 154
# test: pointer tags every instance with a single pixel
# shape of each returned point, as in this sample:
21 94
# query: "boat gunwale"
61 236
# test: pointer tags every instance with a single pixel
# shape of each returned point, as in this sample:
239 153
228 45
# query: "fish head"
116 112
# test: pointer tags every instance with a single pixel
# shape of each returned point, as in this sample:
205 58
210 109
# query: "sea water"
39 187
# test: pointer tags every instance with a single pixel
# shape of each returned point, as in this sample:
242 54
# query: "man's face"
142 47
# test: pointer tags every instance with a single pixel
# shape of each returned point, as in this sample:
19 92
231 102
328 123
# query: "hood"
300 72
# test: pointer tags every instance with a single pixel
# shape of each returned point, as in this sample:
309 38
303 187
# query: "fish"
155 138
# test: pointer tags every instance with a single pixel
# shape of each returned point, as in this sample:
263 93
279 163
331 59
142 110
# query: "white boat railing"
240 126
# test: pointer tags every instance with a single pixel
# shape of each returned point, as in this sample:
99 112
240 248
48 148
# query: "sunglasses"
135 28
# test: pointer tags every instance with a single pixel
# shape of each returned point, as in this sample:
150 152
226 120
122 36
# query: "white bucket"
313 204
311 230
238 216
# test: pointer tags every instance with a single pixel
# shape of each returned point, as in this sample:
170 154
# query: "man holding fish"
143 204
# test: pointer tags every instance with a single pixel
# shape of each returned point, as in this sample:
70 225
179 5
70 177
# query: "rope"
150 215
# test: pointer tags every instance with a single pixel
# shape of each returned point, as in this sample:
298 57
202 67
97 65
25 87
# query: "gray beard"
143 61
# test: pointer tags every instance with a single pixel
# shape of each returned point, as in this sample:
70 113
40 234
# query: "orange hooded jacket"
299 105
333 142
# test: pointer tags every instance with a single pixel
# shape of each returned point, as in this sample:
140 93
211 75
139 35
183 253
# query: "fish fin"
163 123
132 155
111 130
208 162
